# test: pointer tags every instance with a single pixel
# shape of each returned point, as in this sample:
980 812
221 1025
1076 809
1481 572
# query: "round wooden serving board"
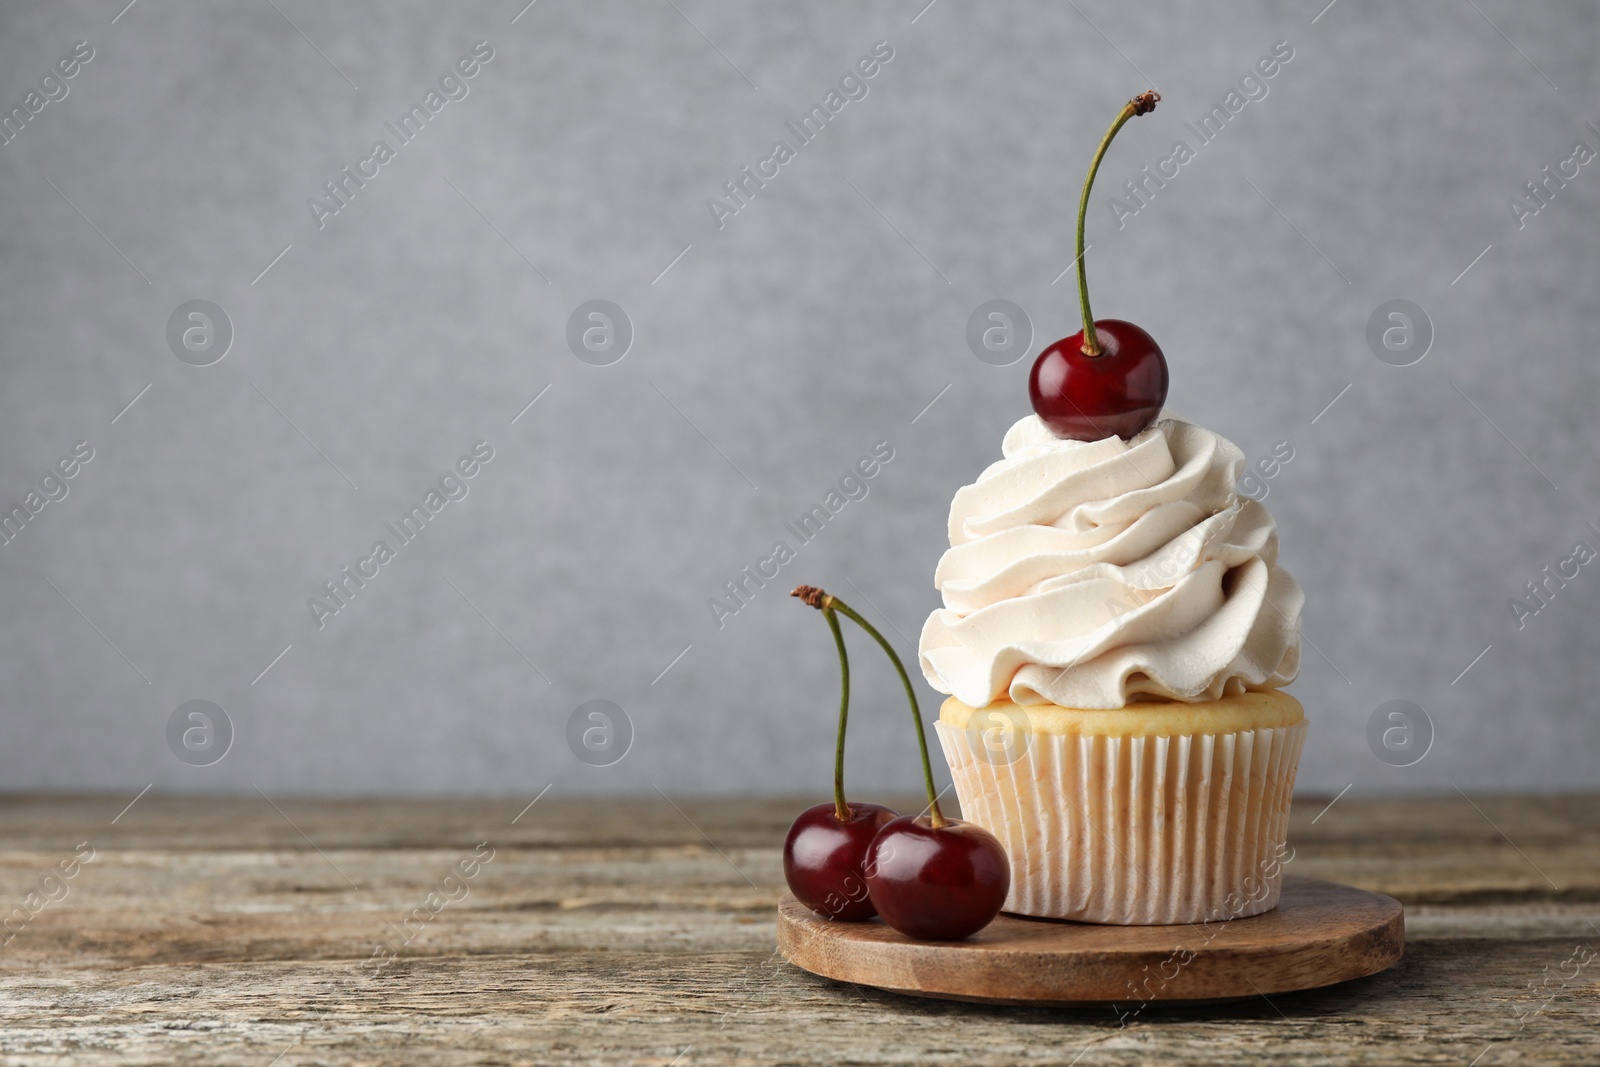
1319 934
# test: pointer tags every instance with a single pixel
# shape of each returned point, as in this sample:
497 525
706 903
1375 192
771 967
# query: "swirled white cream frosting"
1088 574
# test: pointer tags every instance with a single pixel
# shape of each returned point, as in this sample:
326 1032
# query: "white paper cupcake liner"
1134 831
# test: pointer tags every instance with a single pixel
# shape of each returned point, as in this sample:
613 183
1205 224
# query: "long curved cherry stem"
1139 105
826 603
841 810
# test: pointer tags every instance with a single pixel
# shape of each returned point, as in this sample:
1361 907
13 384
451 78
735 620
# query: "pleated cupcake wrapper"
1134 831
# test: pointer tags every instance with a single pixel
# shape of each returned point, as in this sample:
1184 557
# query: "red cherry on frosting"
1111 377
1085 398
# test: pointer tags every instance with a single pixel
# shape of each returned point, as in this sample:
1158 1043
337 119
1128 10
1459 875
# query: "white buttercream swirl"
1087 574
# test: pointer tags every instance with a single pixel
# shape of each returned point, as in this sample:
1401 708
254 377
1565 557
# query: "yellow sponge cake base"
1257 710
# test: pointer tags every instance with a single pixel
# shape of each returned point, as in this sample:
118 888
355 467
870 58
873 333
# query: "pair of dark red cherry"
930 877
935 883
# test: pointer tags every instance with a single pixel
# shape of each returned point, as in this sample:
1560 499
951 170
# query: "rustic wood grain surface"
241 930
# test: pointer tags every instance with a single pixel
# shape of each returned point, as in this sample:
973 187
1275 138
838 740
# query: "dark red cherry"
824 858
937 884
1119 392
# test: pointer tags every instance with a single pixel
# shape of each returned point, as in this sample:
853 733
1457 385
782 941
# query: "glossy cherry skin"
823 859
1086 398
937 885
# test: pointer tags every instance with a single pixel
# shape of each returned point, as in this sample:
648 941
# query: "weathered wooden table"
244 931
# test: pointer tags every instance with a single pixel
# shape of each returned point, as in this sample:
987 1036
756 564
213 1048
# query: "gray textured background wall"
370 353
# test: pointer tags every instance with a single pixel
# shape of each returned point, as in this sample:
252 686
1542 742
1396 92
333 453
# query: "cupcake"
1114 634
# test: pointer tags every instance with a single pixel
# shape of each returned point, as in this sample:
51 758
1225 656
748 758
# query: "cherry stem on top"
841 810
1139 105
827 604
